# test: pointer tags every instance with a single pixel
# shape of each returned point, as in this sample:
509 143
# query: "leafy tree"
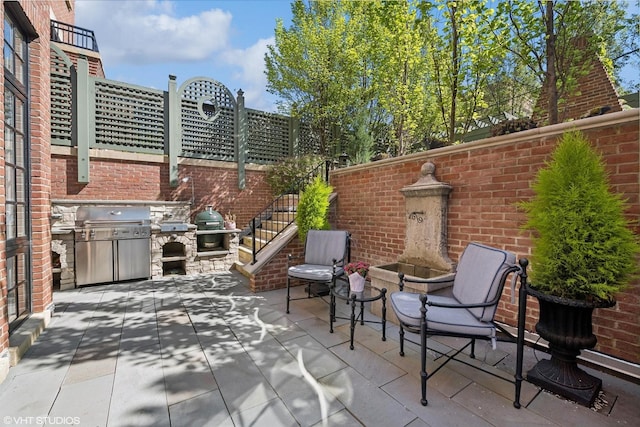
556 40
313 66
397 45
286 174
465 56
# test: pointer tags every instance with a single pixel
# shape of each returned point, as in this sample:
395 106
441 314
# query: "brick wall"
94 59
38 14
146 177
488 178
273 275
64 11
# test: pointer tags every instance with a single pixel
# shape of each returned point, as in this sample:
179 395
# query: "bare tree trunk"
552 89
455 72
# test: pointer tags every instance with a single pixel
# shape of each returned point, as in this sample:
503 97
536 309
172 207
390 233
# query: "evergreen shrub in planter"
313 208
584 252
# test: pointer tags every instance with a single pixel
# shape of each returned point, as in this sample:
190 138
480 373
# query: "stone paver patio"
204 351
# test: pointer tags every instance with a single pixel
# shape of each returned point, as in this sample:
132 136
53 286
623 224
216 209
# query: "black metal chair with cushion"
467 313
325 254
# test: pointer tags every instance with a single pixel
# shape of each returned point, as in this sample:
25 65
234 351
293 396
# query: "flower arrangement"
230 221
362 268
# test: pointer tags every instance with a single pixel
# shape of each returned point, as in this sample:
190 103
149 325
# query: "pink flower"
357 267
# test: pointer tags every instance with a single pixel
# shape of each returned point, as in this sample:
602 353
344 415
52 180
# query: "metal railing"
74 36
282 212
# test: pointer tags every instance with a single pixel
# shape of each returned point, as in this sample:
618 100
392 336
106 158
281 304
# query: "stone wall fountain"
425 254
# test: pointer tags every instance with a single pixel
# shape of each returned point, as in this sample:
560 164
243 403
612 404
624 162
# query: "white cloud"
134 35
145 32
250 72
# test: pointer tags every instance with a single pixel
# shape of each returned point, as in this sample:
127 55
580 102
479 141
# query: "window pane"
11 273
11 221
8 31
11 305
9 105
20 186
10 183
19 69
19 115
19 160
19 49
8 145
8 57
22 221
18 45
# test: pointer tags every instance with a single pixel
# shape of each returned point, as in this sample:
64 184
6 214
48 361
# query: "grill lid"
117 215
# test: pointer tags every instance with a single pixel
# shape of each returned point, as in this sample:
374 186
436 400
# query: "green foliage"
283 176
359 142
464 56
583 247
313 208
406 72
313 66
550 52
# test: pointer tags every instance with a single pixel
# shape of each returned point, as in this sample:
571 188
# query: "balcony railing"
74 36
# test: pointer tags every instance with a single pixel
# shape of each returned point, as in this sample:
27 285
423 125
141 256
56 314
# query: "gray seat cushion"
313 272
442 319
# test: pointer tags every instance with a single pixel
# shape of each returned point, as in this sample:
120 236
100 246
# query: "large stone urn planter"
566 325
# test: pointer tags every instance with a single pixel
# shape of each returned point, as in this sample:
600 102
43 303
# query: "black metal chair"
468 313
325 255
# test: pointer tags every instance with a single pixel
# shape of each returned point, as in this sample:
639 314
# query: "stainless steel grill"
112 244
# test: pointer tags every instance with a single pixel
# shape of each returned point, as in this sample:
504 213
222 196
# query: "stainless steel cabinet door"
94 262
134 259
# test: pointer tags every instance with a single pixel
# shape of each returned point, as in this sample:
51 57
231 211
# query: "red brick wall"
488 178
39 122
94 60
271 276
64 10
117 179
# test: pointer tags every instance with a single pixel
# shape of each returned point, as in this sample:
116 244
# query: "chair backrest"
323 246
480 277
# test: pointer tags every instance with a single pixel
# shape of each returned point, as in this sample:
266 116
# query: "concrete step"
283 216
248 242
244 254
272 225
266 234
22 339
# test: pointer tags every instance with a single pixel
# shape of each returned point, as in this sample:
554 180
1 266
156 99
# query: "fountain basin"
386 276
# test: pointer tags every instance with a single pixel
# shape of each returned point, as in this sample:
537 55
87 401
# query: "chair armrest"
291 257
444 280
483 304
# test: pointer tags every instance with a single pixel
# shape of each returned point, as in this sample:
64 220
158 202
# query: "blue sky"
143 41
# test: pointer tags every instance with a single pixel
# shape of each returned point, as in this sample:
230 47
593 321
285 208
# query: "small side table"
340 290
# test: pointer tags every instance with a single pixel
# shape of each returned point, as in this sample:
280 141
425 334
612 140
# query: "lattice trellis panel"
129 117
208 120
268 137
61 95
308 142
